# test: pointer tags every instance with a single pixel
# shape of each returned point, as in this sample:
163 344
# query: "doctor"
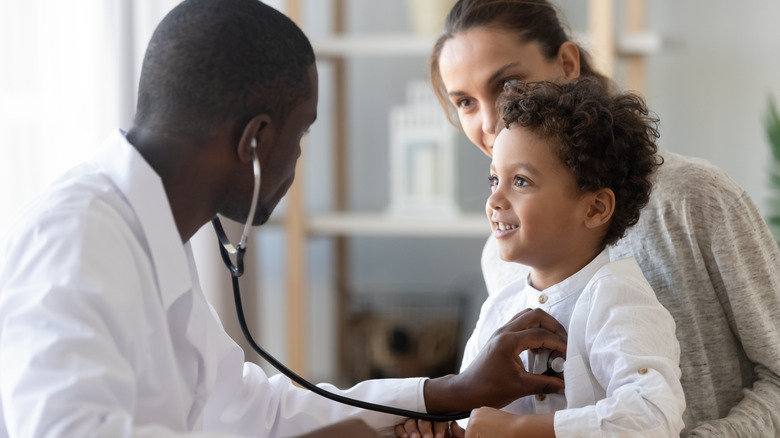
104 329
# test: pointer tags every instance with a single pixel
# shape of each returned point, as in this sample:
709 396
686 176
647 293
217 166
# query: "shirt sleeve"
626 361
744 262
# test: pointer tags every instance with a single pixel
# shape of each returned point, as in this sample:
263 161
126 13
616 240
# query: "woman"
700 242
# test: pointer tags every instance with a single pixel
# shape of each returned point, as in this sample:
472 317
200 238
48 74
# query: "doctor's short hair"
210 61
607 140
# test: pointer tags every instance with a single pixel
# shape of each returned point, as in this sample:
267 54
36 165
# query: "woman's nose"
489 120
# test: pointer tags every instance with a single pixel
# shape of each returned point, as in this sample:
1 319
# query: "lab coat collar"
144 191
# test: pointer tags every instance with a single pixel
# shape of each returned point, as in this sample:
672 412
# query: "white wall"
710 87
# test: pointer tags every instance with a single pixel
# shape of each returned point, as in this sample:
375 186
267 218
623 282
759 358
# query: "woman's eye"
464 103
509 83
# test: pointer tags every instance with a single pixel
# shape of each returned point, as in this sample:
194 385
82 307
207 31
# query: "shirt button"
542 299
642 370
540 397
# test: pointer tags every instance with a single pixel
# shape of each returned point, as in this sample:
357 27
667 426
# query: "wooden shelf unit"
632 45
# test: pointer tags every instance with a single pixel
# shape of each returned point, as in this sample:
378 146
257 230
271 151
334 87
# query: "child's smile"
501 229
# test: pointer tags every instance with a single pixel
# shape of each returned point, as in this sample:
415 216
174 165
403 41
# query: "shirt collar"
144 191
575 283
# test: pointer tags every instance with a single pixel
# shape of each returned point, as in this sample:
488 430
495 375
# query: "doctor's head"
226 75
488 43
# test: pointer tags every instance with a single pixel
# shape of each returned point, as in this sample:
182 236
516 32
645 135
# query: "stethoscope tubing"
316 389
237 269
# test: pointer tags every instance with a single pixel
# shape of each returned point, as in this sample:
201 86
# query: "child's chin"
508 255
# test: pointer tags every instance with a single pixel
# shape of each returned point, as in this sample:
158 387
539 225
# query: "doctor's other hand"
423 429
350 428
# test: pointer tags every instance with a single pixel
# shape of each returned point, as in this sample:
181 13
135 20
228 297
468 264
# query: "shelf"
632 43
639 44
386 225
398 45
377 45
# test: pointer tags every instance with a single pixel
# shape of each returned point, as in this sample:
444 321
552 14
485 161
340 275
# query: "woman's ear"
569 60
257 134
600 209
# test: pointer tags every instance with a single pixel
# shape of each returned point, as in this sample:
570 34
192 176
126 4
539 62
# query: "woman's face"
474 66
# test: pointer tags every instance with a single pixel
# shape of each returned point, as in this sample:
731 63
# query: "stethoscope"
226 249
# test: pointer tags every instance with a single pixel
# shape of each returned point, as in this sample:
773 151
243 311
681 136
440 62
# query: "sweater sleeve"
743 263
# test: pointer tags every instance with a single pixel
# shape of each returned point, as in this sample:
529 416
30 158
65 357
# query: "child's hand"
493 423
423 429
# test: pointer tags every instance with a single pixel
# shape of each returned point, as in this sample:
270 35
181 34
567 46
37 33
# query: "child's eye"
493 180
520 181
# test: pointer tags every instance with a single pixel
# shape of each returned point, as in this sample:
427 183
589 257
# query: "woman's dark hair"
210 61
531 20
607 140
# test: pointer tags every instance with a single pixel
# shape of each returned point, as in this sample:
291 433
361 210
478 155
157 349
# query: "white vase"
427 16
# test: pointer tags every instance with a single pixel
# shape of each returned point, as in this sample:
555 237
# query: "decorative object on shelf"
422 156
404 334
772 126
427 16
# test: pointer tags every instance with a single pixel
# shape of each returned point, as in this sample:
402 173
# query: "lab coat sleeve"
65 348
250 403
629 344
68 352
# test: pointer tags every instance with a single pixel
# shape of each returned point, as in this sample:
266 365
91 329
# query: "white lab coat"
104 330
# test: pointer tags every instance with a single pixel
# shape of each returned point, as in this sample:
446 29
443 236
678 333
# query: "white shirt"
104 330
621 371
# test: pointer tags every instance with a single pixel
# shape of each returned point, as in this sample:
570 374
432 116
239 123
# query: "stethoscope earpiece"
226 248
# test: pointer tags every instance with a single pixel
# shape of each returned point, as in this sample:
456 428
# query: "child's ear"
600 209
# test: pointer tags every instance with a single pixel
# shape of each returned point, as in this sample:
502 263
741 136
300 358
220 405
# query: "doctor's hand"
497 376
349 428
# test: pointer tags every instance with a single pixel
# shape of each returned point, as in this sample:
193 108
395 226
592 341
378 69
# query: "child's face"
536 210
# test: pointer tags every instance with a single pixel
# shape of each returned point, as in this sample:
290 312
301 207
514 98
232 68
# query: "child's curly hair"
608 141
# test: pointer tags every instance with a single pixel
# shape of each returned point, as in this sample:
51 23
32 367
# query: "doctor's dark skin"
206 169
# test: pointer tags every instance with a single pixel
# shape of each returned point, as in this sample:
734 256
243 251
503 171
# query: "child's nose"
496 201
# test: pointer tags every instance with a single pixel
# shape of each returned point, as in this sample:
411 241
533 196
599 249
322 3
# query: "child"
571 170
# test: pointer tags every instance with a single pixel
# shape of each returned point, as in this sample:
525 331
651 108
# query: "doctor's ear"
258 135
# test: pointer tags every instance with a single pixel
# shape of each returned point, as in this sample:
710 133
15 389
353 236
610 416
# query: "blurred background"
352 278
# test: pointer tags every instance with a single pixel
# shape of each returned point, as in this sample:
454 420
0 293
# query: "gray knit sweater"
712 262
